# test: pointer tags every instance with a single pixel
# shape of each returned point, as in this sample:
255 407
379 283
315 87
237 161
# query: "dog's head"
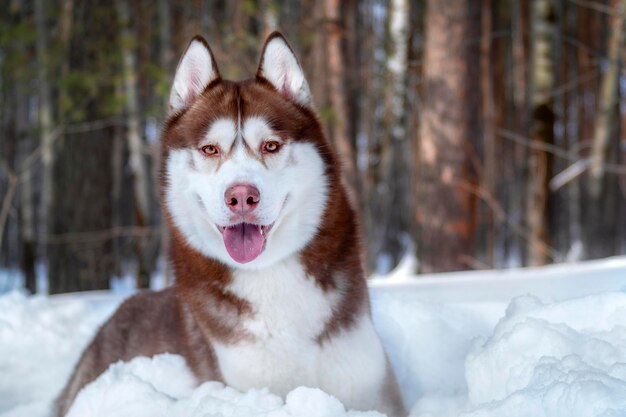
245 163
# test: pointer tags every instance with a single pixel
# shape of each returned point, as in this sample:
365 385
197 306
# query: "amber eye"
271 146
210 150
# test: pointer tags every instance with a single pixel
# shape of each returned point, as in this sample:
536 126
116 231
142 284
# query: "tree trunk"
518 155
394 189
336 68
602 199
542 130
136 144
79 260
488 116
10 152
65 32
367 149
605 125
18 114
118 149
45 125
576 248
82 205
446 211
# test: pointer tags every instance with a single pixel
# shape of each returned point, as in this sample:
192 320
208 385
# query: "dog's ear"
280 67
196 69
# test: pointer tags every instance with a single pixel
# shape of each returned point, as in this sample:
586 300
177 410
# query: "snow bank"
460 348
39 341
427 342
557 359
163 387
564 359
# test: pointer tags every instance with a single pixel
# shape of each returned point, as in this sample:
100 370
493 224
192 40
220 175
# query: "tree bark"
394 189
367 148
65 32
518 155
542 131
82 172
136 144
45 125
605 125
336 68
446 211
576 249
18 113
488 117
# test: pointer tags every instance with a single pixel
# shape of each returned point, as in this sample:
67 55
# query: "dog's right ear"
196 70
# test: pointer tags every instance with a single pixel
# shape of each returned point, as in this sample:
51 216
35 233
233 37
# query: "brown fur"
199 309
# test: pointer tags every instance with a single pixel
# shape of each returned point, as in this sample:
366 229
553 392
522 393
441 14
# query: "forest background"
474 134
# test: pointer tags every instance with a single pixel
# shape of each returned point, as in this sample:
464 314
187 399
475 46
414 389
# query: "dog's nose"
242 198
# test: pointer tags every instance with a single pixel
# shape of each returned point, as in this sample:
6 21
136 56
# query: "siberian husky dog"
270 289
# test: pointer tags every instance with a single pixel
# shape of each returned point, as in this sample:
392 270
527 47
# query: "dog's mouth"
245 241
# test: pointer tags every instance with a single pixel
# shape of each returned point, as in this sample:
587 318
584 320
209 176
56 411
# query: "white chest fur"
291 311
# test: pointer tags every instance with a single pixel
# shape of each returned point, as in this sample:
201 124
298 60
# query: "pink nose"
242 198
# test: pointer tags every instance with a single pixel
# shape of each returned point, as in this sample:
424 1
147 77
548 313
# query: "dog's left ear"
281 68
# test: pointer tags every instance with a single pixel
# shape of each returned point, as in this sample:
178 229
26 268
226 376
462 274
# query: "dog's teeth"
261 229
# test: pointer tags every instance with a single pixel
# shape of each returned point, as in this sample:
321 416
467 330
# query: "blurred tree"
136 144
23 131
542 130
392 192
606 121
603 204
446 203
336 74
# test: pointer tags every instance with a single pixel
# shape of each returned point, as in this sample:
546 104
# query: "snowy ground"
543 342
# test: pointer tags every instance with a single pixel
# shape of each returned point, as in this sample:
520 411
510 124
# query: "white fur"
292 186
223 133
256 130
195 71
290 311
281 68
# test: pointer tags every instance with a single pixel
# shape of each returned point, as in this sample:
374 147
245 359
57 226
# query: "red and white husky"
270 290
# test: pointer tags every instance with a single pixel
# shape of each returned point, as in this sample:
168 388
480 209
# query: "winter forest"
473 134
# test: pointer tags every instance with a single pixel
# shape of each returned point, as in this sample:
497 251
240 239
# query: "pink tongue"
244 242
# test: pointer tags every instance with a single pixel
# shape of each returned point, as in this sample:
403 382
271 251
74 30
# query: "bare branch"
574 83
534 144
571 156
569 174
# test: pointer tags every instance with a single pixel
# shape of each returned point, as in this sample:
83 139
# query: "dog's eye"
270 146
210 150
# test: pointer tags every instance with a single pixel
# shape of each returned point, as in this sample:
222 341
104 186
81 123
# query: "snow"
143 388
40 339
535 342
563 359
